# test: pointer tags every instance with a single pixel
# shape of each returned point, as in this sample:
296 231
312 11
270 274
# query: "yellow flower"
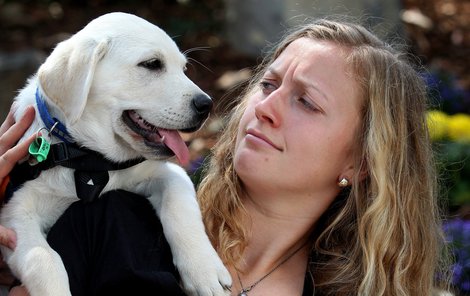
459 127
438 124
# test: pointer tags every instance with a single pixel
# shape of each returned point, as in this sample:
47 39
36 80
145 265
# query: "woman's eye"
307 104
153 64
267 87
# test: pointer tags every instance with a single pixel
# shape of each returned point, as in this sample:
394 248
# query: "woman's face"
297 133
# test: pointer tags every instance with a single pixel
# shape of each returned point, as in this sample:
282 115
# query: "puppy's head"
119 86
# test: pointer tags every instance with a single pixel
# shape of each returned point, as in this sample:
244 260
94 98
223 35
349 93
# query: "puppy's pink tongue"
174 141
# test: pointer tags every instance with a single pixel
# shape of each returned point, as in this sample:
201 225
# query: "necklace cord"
244 291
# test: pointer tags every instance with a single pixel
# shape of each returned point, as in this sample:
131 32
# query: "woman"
380 235
322 182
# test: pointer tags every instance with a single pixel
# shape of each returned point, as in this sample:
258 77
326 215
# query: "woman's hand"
10 133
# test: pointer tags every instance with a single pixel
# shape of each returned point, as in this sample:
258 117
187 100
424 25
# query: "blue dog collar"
54 126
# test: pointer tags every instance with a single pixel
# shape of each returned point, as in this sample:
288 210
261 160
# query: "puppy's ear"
67 74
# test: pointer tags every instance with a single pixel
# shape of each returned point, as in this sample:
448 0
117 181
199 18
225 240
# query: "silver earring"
343 182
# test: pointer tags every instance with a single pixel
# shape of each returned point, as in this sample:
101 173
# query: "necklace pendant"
243 293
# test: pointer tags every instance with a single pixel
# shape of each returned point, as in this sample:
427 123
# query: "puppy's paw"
44 274
205 275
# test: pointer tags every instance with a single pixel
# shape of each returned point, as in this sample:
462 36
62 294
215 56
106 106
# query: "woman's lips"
261 137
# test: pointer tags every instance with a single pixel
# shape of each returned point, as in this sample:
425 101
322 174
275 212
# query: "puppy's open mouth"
156 137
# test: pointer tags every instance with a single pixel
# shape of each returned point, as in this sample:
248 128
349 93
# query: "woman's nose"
270 109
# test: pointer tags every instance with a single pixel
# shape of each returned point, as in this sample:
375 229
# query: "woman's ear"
360 170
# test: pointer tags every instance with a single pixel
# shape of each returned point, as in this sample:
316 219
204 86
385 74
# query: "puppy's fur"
113 84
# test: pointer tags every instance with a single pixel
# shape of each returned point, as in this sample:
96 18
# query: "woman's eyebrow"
273 71
307 83
310 84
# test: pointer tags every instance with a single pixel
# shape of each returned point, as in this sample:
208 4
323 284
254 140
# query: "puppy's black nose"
202 104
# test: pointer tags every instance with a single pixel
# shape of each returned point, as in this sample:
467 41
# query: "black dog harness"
91 168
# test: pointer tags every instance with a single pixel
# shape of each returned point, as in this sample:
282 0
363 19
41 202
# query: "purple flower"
444 88
457 233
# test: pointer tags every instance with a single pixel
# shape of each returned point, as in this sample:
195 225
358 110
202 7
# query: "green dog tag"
39 148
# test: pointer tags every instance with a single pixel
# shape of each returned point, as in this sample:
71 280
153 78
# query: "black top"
115 246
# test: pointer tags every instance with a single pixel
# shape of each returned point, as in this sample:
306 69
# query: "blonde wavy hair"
382 236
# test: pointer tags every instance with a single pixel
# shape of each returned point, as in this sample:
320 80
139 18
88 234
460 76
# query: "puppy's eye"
153 64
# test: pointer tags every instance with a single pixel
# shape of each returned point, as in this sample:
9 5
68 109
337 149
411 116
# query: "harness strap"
89 184
79 158
91 169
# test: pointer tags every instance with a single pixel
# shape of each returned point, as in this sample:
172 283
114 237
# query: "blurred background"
227 38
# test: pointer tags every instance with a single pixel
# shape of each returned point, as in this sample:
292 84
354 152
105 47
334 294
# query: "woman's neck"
276 256
273 234
278 225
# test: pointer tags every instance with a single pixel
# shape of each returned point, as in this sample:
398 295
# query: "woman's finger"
9 159
18 291
9 121
11 133
7 237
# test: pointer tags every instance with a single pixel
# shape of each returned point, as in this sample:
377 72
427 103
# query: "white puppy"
119 89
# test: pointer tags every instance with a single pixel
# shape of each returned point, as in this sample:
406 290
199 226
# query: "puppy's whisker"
199 63
200 48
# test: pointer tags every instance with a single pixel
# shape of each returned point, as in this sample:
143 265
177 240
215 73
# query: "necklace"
244 291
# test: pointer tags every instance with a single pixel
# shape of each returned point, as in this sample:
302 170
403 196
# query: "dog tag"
39 148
